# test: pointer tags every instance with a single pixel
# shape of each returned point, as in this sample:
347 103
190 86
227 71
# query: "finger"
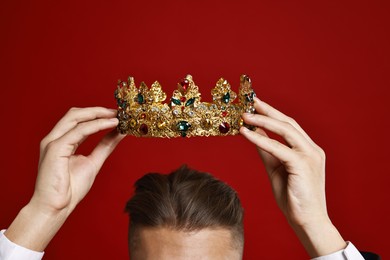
288 132
270 162
267 110
278 150
65 145
73 117
105 148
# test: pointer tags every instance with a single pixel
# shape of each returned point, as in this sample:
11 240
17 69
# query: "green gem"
183 134
190 102
140 99
226 98
183 126
123 104
176 101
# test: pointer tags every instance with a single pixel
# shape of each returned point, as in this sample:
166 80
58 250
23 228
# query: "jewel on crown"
142 113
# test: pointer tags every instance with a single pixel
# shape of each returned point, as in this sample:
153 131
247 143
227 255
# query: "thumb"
105 147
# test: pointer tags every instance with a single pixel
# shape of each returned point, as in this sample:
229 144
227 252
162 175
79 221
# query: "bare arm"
64 177
296 170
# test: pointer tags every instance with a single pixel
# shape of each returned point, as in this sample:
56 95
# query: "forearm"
34 228
319 239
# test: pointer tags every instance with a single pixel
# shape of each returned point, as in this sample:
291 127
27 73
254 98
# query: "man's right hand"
64 177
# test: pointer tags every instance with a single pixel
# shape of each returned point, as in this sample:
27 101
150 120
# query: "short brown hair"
185 200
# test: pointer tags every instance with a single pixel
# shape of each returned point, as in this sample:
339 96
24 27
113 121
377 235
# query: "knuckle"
256 119
52 145
99 123
43 143
81 127
318 154
86 127
98 108
69 112
72 110
286 128
321 153
275 144
291 120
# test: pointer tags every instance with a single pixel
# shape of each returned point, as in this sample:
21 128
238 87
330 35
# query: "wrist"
319 237
34 227
48 210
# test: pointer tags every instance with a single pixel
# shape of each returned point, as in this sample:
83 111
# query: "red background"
325 63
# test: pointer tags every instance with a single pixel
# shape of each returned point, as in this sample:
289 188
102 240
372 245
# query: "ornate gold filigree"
142 113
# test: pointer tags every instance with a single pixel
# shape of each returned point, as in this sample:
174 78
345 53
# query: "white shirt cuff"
12 251
348 253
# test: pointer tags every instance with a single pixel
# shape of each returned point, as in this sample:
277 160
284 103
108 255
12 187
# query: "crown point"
185 84
245 79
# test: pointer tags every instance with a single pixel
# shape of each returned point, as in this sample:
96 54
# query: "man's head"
184 215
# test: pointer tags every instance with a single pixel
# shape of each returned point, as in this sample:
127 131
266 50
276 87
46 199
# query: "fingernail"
114 120
244 129
248 114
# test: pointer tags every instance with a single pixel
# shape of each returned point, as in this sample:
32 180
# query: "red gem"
143 129
185 84
224 127
183 99
224 113
143 116
182 108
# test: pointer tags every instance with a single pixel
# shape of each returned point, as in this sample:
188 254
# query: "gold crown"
142 113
